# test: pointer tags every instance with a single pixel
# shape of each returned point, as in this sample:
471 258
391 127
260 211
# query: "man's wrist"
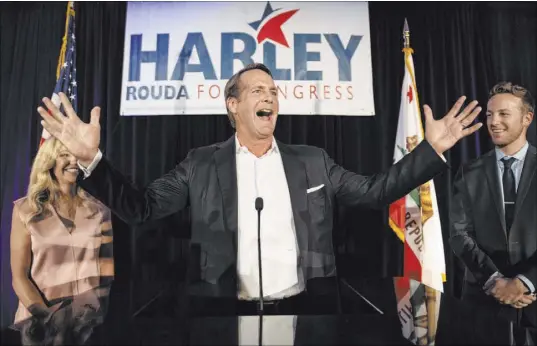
436 147
491 280
86 163
87 168
521 284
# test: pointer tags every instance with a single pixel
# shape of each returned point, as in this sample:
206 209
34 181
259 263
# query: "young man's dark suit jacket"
206 180
478 232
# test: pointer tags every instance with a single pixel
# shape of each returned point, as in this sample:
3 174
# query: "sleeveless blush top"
67 263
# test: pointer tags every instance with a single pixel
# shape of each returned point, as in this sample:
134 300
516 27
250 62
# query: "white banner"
178 56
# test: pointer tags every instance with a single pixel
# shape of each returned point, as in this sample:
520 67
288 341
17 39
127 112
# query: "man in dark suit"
494 213
299 184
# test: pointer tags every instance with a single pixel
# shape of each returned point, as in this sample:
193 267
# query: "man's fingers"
526 300
467 119
53 110
46 116
523 302
467 110
470 130
510 299
427 111
53 129
95 116
456 107
67 106
518 305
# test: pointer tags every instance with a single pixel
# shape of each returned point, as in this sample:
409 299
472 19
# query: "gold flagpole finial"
406 35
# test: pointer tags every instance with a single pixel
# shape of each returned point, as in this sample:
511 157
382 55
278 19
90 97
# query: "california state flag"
415 218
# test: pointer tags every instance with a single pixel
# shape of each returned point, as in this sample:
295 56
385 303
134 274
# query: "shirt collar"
242 149
519 156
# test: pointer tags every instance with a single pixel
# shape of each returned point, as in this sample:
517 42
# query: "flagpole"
70 8
70 12
431 295
432 302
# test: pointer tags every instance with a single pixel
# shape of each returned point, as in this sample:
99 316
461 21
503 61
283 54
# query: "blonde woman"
61 248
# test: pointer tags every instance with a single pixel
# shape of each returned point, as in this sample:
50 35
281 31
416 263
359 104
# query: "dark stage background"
460 48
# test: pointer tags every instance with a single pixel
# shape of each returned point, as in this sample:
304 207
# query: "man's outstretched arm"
164 196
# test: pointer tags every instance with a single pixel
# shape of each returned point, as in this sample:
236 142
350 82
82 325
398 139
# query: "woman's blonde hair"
43 189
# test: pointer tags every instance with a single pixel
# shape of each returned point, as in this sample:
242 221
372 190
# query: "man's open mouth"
264 113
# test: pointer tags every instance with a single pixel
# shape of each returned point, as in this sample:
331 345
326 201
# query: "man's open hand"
444 133
80 139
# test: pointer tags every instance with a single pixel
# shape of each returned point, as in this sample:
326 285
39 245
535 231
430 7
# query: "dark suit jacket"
478 233
206 180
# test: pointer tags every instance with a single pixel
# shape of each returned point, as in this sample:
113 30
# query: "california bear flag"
415 218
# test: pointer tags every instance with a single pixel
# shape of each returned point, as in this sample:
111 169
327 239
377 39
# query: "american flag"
66 71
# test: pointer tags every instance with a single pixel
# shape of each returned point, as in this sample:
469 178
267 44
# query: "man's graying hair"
516 90
233 86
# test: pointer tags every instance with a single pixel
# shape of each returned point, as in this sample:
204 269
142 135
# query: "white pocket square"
313 189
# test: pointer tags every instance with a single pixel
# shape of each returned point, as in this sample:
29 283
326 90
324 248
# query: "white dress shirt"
265 177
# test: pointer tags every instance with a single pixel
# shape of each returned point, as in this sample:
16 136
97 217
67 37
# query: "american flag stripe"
66 71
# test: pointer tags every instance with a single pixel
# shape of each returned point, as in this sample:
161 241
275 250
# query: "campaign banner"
178 56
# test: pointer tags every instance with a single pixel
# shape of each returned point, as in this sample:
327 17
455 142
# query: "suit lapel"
525 180
491 170
226 170
297 180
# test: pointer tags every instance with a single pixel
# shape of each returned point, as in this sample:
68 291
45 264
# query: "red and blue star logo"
272 28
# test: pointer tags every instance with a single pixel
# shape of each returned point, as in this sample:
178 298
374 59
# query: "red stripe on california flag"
412 265
402 286
398 211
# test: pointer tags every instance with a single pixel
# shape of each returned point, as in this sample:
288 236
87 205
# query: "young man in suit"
494 213
299 185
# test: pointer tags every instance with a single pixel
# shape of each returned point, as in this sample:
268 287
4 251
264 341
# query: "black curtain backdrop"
30 42
459 48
